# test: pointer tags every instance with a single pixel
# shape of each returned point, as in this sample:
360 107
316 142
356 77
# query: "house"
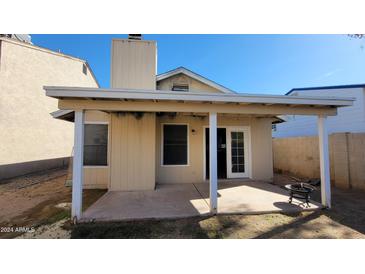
30 139
174 128
350 119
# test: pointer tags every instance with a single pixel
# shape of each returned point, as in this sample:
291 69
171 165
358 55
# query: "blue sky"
245 63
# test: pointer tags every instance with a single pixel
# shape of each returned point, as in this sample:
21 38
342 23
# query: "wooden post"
213 174
324 162
78 164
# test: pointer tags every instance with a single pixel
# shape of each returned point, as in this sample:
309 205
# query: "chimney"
135 36
133 63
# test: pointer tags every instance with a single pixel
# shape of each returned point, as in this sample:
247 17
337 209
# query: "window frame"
108 145
187 148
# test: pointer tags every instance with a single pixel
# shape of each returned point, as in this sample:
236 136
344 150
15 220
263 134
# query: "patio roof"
204 97
115 100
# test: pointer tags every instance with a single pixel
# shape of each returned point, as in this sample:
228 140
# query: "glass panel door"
237 162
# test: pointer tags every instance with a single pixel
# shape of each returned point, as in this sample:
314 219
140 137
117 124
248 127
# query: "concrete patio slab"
167 201
187 200
253 197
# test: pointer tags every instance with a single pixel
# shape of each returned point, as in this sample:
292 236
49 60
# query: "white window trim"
188 144
107 155
248 128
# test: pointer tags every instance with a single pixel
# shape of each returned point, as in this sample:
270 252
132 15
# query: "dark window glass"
175 144
96 145
84 69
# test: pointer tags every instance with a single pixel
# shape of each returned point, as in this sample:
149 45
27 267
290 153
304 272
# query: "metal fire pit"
300 191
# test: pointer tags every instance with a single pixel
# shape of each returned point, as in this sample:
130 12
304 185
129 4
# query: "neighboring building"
350 119
19 37
31 140
147 129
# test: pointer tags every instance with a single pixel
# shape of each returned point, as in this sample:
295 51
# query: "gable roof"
196 76
327 87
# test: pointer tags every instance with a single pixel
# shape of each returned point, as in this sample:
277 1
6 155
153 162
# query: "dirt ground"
34 202
41 204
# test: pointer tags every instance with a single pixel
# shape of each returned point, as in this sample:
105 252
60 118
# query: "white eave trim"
60 113
194 76
119 94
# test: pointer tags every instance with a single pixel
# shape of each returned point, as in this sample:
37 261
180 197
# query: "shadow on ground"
348 206
308 225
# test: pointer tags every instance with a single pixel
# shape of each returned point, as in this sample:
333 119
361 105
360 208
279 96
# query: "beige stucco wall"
132 152
261 148
27 130
194 85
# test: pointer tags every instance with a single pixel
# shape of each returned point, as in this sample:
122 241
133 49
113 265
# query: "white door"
237 153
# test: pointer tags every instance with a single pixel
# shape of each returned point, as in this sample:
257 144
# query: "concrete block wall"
300 156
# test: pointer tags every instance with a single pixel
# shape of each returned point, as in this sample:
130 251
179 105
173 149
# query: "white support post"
213 174
324 162
78 164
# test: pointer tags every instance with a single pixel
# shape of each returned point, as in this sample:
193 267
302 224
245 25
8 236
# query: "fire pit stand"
300 191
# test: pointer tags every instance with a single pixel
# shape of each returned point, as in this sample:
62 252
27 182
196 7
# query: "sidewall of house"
135 150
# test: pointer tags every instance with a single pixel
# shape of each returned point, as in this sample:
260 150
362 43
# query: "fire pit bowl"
300 191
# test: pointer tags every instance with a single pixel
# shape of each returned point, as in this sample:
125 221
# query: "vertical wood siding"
133 64
132 152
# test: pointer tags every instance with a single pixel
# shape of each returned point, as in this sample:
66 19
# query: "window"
180 87
96 145
237 152
175 145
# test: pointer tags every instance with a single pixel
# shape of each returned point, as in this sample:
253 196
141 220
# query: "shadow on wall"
19 169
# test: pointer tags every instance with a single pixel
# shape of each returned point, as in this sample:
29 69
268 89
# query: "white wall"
348 119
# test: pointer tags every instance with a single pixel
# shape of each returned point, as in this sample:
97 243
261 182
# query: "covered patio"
134 194
171 201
